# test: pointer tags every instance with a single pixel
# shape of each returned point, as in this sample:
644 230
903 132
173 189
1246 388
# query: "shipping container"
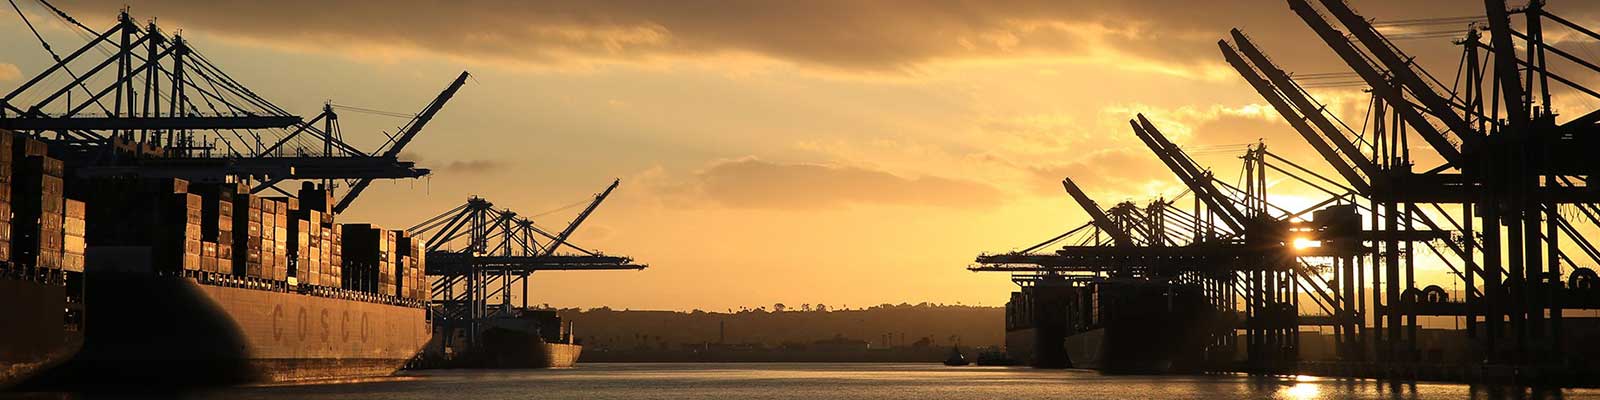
316 198
246 246
37 226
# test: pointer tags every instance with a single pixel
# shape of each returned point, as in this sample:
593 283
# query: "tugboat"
956 359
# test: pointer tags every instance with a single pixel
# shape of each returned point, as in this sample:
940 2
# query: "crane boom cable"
53 55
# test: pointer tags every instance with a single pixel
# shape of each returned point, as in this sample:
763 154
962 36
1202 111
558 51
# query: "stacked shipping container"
218 228
311 243
39 206
216 225
247 233
178 244
170 226
318 201
76 229
368 258
7 170
410 267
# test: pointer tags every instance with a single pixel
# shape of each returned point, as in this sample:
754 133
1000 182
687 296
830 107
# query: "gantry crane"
136 101
477 254
1517 174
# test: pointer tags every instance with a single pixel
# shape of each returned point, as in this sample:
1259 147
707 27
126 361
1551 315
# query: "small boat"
956 359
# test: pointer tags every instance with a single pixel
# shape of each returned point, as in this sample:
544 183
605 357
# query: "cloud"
9 72
1114 171
472 166
1172 36
753 183
455 166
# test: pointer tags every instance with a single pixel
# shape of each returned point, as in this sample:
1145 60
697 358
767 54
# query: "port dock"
1481 179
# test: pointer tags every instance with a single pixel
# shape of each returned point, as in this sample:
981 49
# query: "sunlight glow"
1301 391
1303 243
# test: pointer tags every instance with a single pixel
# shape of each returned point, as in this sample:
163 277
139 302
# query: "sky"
842 152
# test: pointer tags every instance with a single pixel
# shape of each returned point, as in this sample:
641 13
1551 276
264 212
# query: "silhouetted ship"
1139 326
528 339
510 338
198 284
1036 322
1113 325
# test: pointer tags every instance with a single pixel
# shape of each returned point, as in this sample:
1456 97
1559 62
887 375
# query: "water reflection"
868 381
1309 387
1301 391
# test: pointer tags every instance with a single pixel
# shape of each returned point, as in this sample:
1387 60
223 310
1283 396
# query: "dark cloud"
472 166
456 166
881 35
408 155
753 183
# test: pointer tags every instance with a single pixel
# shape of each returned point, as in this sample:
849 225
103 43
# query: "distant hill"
934 325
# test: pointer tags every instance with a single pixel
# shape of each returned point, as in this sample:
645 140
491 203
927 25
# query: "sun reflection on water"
1304 388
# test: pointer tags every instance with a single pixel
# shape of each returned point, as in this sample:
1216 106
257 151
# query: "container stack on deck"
369 251
39 207
217 225
410 268
247 235
312 243
274 240
41 231
7 166
218 230
179 247
75 227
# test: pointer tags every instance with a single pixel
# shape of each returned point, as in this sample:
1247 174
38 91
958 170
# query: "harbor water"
859 381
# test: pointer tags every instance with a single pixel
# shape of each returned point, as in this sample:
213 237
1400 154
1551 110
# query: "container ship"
41 263
193 284
1141 326
1036 322
527 339
513 338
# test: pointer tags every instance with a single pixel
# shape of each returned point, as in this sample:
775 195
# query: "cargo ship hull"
1143 347
35 337
515 350
1145 328
176 331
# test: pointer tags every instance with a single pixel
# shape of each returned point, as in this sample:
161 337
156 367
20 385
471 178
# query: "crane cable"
53 55
372 111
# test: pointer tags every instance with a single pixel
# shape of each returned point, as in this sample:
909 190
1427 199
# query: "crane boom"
561 238
1188 172
1292 91
410 132
1297 110
1376 80
1400 69
1295 119
1505 65
1118 236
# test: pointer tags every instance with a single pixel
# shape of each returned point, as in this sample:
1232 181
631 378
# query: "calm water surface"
860 381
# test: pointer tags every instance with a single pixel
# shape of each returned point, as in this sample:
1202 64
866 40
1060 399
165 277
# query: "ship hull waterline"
35 338
510 350
173 331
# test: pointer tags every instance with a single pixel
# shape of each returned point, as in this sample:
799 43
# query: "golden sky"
842 152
